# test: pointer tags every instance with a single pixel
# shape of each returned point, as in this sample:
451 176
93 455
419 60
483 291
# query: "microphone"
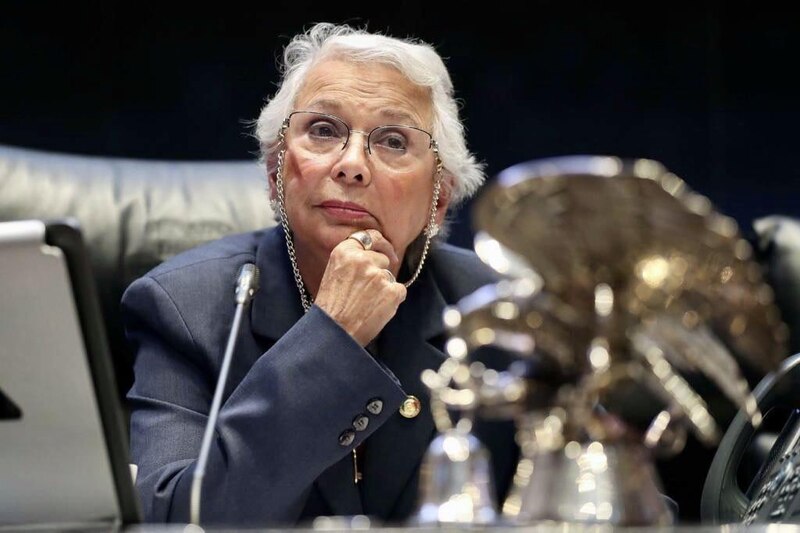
246 287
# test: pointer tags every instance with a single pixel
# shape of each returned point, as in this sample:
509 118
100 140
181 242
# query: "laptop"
63 444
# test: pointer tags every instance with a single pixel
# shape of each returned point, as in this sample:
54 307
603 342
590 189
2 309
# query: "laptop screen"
63 445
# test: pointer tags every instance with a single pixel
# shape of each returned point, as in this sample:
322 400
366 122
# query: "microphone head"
246 283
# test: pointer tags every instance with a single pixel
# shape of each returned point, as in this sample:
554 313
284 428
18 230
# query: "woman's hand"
358 289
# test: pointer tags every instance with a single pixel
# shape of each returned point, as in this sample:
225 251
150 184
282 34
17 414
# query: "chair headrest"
134 213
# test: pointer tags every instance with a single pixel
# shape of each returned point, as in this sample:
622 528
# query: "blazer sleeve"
278 429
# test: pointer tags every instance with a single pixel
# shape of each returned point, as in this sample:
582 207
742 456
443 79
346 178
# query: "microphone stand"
246 286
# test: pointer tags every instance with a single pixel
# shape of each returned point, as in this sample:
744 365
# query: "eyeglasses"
317 135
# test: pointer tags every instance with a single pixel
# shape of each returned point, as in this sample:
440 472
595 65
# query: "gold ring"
363 238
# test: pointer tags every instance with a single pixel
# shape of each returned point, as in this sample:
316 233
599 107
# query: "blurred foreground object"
624 289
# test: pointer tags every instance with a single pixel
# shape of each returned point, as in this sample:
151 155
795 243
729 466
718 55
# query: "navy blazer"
296 382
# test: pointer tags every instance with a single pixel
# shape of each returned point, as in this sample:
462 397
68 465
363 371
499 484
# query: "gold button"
411 407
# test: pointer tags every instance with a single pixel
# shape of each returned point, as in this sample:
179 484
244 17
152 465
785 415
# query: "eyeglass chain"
431 229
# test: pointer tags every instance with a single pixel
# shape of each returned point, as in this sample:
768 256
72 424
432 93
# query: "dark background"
706 89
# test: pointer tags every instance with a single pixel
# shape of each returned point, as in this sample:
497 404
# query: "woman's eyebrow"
325 105
388 115
398 116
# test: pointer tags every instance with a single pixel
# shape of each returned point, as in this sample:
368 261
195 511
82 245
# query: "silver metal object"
363 238
590 482
456 481
622 288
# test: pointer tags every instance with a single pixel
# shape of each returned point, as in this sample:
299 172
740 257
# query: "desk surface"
341 526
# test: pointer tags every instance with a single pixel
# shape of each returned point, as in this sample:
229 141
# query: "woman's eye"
393 141
323 129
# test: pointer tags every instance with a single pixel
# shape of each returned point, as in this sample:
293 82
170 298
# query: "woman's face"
329 197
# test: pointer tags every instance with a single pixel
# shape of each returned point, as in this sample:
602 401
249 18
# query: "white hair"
416 60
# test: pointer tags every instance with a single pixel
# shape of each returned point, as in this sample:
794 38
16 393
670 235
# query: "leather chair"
778 249
134 214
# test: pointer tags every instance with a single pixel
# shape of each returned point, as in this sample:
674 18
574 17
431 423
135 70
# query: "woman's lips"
345 210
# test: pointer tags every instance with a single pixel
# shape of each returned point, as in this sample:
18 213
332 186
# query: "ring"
390 276
363 239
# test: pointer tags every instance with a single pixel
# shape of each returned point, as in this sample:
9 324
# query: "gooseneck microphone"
246 287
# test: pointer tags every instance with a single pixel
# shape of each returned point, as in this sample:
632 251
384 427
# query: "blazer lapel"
274 311
394 452
276 306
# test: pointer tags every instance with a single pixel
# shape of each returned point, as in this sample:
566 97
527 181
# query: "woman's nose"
352 163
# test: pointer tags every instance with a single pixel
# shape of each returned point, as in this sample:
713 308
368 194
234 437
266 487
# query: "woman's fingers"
376 243
358 289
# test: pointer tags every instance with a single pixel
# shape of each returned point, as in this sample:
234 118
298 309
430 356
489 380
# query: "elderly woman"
324 412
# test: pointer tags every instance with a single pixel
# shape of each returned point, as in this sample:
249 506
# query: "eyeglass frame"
432 145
